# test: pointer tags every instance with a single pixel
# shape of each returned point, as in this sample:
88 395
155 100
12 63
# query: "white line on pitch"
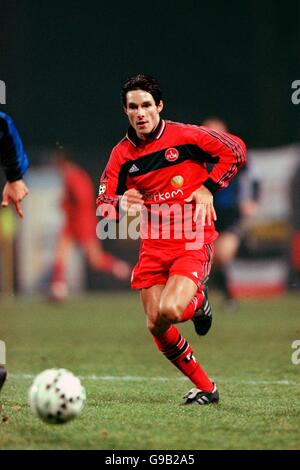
136 378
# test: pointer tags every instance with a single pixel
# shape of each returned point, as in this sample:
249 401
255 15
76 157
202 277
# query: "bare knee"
170 311
158 326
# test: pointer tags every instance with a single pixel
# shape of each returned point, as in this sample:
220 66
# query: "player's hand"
132 201
14 192
204 201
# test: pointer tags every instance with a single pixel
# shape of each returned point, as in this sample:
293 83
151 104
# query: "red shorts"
156 267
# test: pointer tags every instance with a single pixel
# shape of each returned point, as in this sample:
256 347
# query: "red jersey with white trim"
168 167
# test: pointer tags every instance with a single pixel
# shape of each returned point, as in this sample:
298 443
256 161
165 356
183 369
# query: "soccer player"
14 162
238 200
78 202
164 162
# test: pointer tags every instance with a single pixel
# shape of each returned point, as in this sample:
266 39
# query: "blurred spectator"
232 204
78 205
295 224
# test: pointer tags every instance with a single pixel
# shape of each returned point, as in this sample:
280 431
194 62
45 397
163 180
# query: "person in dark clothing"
233 203
14 161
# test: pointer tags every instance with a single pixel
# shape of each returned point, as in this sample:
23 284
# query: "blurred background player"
232 204
14 162
78 205
295 229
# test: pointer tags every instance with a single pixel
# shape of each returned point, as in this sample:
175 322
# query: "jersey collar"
156 134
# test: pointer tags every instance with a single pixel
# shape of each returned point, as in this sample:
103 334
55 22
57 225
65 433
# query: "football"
56 396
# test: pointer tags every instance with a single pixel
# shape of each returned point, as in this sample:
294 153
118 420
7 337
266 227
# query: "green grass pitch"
133 392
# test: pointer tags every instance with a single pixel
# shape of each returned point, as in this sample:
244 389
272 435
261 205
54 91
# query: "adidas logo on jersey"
133 169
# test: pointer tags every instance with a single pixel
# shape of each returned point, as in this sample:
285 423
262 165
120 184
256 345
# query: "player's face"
142 112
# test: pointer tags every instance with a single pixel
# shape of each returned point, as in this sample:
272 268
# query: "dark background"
64 64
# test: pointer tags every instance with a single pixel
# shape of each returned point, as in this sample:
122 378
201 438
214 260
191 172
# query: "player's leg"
150 297
104 261
58 285
195 266
3 374
295 259
176 298
176 301
183 289
161 318
226 248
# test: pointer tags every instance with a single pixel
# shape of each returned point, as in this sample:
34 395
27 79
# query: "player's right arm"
112 186
113 191
131 201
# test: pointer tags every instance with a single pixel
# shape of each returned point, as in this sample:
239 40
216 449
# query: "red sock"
178 351
58 273
192 306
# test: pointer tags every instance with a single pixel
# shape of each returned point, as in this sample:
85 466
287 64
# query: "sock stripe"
179 352
174 349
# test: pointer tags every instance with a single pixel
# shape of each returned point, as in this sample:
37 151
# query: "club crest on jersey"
171 154
102 189
177 181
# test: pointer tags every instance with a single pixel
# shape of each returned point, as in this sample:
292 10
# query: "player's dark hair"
142 82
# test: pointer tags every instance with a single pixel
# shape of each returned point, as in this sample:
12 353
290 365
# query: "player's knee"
156 328
170 311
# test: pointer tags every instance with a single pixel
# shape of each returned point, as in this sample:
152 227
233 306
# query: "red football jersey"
168 167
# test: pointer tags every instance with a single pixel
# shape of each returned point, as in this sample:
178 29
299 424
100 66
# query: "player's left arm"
228 153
